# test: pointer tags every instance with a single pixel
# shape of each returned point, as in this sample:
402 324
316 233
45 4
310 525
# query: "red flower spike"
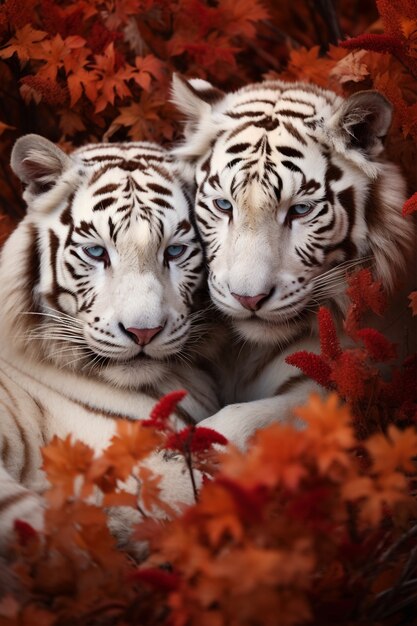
375 43
25 532
164 408
195 439
156 578
312 365
410 206
365 293
329 342
350 375
377 346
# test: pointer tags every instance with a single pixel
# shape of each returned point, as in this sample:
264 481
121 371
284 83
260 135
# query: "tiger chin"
97 283
293 191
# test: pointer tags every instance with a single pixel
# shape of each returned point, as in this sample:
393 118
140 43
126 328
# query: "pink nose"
253 303
143 336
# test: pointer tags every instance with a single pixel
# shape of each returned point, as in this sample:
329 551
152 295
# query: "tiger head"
100 274
291 191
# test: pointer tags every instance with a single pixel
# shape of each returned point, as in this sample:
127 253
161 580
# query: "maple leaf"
351 68
120 11
148 67
396 451
310 65
55 51
275 458
239 18
132 443
63 462
150 492
70 122
112 80
26 44
330 425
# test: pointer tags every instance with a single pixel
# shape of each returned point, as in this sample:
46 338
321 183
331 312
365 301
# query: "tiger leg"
16 502
238 422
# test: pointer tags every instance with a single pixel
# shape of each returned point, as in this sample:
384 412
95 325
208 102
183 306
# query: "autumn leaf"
330 425
132 443
63 462
351 68
26 44
148 67
112 81
240 18
394 451
55 51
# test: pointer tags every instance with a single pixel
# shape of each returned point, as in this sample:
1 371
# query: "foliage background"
315 527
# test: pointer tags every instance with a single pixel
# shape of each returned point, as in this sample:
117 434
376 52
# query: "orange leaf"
26 44
394 451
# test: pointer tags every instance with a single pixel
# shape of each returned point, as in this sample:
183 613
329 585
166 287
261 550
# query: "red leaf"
312 365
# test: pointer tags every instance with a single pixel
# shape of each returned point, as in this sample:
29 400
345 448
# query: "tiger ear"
38 162
360 125
197 99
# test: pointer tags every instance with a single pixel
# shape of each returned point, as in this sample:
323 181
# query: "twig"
328 13
281 36
189 463
271 60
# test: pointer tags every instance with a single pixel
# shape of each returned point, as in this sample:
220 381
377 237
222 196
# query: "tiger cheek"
68 303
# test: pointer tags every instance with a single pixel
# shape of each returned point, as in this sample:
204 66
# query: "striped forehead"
124 195
261 163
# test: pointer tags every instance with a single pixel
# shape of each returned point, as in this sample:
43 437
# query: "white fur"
252 250
50 381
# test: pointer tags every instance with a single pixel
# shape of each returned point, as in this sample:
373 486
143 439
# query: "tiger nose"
142 336
253 303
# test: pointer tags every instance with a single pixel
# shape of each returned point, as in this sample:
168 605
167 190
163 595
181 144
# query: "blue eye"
175 251
299 210
223 205
96 252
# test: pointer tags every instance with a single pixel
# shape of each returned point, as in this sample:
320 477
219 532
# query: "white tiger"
291 191
97 286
